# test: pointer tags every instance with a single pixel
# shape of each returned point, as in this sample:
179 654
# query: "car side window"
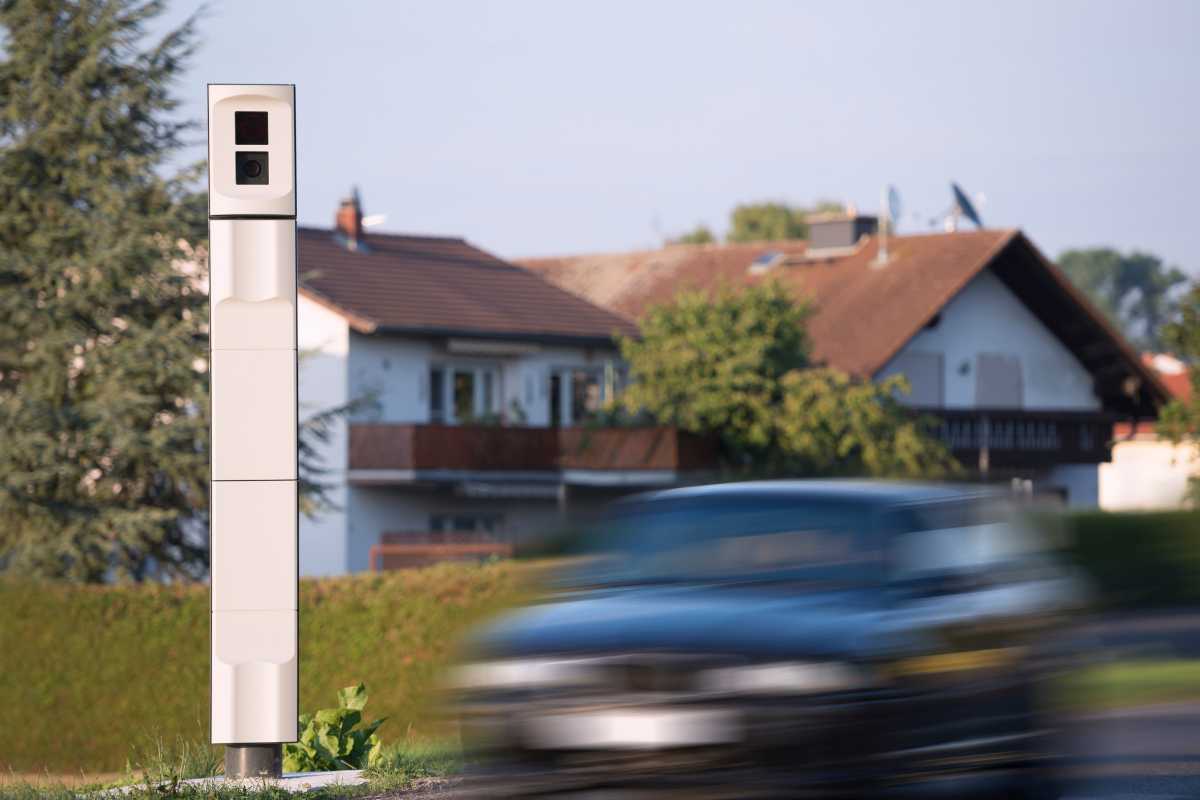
966 539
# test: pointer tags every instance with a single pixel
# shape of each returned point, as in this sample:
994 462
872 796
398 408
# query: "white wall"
1081 482
394 371
391 376
985 317
376 510
324 342
1146 474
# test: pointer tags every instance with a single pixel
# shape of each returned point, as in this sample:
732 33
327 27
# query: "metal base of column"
253 760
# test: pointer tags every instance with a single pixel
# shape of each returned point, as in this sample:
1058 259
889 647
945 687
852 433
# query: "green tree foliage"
737 365
103 399
1136 290
1179 421
773 221
766 222
701 234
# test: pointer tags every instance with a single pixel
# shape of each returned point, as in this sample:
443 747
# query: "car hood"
760 622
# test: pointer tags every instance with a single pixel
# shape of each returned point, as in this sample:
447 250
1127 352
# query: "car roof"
869 492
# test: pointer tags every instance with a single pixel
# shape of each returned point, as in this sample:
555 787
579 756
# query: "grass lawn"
402 767
1125 684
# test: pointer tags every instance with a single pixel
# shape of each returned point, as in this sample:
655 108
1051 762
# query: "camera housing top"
251 150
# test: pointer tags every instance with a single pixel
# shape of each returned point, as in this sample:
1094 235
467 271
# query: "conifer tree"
103 391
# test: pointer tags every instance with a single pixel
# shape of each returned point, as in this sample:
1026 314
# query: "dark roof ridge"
435 237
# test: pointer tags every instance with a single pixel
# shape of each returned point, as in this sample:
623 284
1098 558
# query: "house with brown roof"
1026 376
468 378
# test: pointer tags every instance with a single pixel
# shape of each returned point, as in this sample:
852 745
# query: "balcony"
1007 439
403 453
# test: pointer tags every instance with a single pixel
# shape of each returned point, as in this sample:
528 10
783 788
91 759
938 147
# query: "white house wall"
1081 482
382 509
324 343
389 376
987 318
1147 474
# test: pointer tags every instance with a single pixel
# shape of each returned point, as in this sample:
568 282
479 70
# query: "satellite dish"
893 205
963 205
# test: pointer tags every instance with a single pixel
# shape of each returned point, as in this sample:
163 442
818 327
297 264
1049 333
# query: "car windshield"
737 539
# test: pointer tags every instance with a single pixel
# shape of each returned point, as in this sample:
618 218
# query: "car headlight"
794 677
522 673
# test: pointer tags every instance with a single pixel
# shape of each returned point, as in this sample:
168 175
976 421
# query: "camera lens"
253 167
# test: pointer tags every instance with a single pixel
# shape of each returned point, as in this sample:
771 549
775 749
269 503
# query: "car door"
968 684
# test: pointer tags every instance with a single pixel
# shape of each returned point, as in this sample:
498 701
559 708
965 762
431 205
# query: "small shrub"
329 739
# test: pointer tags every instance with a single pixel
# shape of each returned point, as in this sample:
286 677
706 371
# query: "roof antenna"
889 209
657 228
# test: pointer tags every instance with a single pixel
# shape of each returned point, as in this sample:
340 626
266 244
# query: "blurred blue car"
778 639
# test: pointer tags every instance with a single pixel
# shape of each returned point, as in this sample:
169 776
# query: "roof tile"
863 312
434 284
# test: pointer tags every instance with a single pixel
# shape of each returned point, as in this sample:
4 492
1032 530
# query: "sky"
545 128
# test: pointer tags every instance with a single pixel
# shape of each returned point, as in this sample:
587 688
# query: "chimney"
349 222
830 233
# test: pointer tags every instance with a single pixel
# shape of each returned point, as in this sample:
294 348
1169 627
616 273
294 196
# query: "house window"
924 372
577 393
489 392
998 381
465 522
463 393
437 395
556 406
587 393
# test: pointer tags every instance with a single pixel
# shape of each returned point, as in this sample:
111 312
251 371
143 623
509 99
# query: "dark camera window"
251 167
250 127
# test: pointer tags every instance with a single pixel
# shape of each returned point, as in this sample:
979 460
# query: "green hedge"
1135 560
87 672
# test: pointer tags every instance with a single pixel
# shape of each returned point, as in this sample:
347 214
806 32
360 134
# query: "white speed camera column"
252 273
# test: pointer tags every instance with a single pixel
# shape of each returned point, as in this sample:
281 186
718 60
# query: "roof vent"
832 234
766 262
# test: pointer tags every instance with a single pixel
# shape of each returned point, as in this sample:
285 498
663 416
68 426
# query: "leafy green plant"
329 739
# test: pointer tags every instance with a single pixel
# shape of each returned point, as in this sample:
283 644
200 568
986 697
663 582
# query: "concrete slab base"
291 781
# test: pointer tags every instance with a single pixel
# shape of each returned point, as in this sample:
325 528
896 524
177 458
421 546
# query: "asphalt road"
1146 753
1151 752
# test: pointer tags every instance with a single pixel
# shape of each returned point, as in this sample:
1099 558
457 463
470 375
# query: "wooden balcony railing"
402 549
1025 439
479 448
